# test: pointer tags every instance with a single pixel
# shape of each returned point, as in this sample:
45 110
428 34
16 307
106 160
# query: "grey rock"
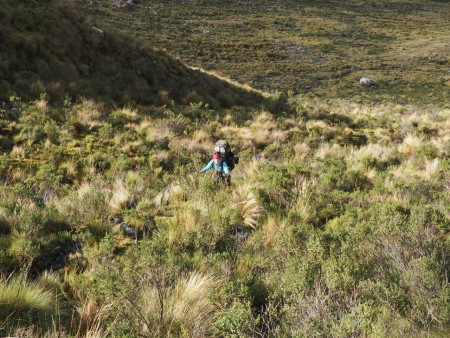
100 33
365 81
129 231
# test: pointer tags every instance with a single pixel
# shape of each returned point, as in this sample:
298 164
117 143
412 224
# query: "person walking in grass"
222 172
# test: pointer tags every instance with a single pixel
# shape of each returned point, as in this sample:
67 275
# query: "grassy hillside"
336 223
317 47
71 58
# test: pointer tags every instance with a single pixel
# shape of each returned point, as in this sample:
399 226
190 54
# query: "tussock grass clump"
248 206
183 226
431 168
18 152
301 150
42 104
90 319
187 307
120 196
87 207
90 113
24 300
410 145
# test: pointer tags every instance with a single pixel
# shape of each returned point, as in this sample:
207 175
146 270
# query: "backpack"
226 155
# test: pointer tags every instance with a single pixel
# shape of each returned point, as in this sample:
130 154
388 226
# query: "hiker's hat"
216 156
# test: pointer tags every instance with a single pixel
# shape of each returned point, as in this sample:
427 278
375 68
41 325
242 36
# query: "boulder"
365 81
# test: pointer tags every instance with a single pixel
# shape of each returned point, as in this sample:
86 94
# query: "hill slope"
53 47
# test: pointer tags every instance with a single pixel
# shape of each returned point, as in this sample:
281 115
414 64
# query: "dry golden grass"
410 145
248 206
129 112
48 144
377 151
18 175
42 105
330 149
91 317
130 147
406 170
54 90
135 182
357 156
186 221
90 113
18 152
431 168
234 83
120 196
19 298
143 125
186 306
259 132
163 98
263 130
201 136
152 131
301 150
83 189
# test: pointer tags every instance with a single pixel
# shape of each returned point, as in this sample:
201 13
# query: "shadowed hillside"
52 47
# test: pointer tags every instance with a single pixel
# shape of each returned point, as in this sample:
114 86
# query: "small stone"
100 33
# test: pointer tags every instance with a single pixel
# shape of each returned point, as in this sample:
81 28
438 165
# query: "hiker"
222 172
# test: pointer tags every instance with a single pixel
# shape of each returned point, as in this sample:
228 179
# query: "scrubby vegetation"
336 223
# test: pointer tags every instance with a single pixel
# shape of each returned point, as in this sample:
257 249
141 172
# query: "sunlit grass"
89 113
186 306
248 206
120 196
20 298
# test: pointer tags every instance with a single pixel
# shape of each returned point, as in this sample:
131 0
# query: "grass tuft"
18 152
120 196
21 300
89 113
248 206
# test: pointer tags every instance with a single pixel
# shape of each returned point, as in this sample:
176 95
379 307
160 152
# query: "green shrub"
275 188
235 321
359 322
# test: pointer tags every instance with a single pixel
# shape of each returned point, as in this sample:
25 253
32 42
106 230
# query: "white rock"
99 32
366 81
